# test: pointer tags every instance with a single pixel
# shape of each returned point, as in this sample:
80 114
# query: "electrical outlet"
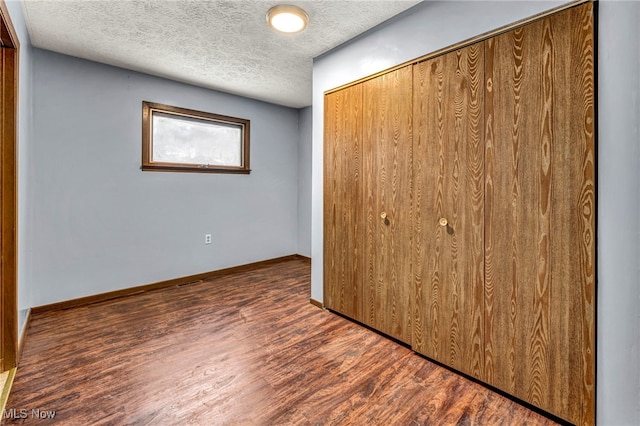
207 238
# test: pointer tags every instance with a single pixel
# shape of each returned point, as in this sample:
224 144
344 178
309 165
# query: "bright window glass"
185 140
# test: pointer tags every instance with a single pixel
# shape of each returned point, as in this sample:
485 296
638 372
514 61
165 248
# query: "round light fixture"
287 18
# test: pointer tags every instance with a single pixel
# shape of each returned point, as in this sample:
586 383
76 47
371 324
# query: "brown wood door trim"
8 190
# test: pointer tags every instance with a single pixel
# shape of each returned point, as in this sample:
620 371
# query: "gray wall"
430 26
25 166
304 182
101 224
618 263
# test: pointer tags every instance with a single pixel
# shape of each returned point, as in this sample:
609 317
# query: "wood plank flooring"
245 349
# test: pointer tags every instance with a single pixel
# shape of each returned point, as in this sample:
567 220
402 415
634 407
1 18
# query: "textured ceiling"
223 45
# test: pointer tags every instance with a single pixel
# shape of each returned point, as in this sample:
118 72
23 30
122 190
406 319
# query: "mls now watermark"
23 413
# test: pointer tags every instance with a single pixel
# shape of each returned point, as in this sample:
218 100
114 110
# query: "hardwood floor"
245 349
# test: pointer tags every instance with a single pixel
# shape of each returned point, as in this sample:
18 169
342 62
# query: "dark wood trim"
23 335
148 108
8 190
465 43
88 300
314 302
596 179
192 169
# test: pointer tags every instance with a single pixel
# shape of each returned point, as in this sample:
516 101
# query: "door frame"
9 57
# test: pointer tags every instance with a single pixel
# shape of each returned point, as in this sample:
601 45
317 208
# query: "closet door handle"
383 216
443 221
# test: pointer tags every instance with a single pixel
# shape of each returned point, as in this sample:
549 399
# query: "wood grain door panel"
343 209
448 261
539 206
498 139
387 189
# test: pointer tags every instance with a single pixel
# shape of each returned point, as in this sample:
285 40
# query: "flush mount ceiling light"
287 18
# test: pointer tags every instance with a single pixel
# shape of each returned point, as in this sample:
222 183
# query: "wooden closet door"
540 214
387 153
448 257
343 202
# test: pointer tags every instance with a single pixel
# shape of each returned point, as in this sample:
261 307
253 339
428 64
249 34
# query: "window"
183 140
